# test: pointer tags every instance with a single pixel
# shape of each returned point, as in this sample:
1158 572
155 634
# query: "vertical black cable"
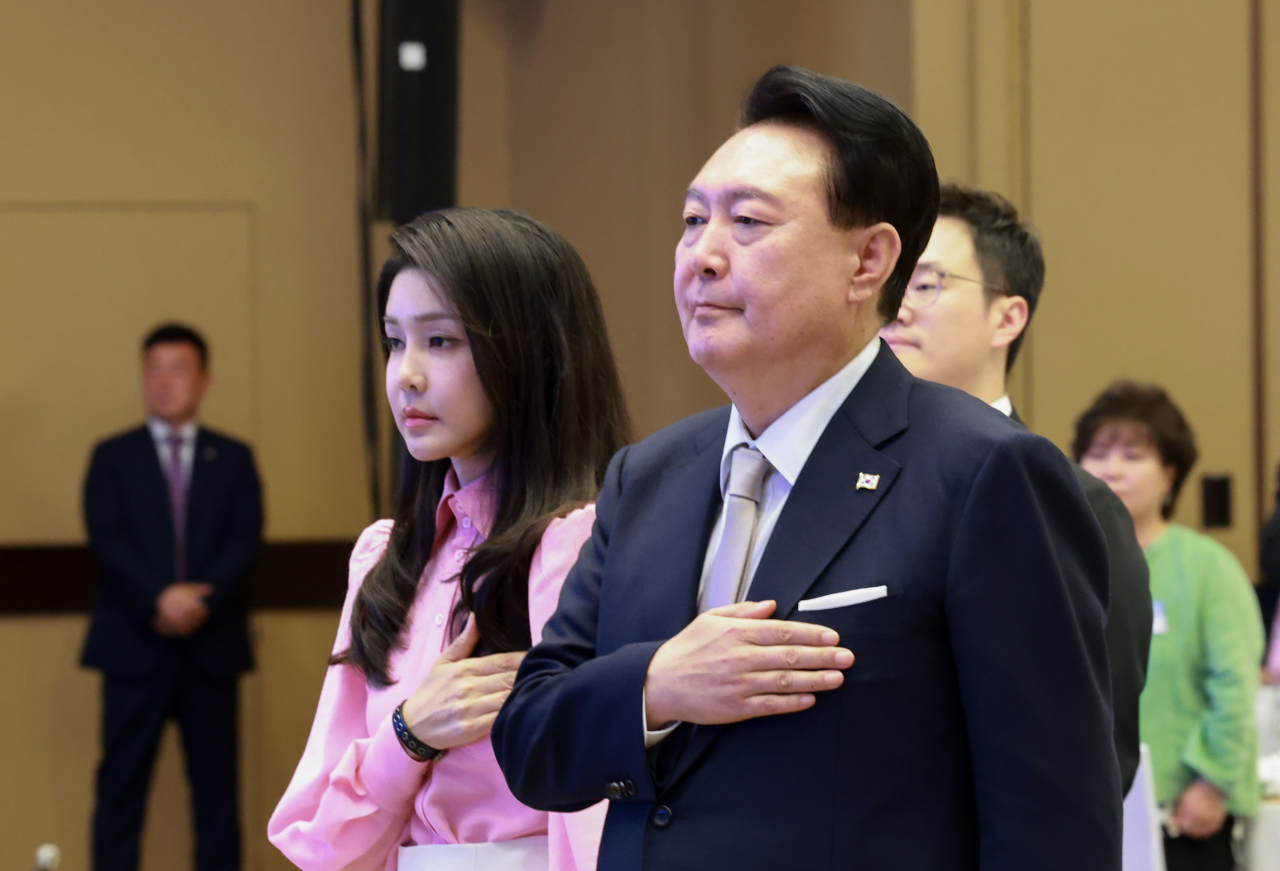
368 305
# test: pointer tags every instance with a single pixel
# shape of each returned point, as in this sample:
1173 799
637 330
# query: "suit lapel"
823 512
826 507
689 494
204 465
151 479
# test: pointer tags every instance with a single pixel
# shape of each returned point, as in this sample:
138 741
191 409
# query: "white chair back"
1143 834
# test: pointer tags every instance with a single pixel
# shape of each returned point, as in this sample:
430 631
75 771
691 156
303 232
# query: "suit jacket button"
629 787
662 816
613 791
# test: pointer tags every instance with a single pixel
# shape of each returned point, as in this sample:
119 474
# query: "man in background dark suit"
962 321
174 514
857 619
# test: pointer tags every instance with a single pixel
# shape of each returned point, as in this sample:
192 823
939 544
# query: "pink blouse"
356 795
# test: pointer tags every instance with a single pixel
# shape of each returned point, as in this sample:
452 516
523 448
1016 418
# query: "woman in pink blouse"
502 383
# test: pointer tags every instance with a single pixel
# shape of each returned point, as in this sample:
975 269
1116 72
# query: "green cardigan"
1197 710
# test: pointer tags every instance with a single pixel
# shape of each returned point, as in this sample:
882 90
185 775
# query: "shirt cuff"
653 738
390 774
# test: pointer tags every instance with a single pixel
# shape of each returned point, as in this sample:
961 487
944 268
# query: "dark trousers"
134 713
1201 854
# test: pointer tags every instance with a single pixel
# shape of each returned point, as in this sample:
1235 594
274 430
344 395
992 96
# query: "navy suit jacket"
126 509
974 729
1128 615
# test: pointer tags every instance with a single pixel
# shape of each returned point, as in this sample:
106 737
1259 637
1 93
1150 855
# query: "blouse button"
466 523
439 619
458 555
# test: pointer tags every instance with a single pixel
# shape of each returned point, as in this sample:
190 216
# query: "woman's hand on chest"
460 697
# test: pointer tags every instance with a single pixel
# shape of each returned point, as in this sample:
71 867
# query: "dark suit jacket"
1269 560
126 509
1128 617
974 728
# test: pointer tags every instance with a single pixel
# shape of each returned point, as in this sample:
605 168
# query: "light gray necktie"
747 469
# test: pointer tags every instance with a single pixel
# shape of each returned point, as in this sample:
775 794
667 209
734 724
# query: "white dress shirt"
1004 405
160 435
786 444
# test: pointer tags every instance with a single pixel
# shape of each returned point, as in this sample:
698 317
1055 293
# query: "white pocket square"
840 600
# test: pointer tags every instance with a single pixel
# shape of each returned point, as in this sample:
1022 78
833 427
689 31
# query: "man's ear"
1013 313
875 251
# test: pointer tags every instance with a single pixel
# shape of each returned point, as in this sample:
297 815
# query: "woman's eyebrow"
422 318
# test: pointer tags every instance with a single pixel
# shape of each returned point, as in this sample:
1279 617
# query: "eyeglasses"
927 284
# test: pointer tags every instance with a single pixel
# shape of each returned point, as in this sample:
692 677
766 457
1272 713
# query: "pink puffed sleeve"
573 839
352 794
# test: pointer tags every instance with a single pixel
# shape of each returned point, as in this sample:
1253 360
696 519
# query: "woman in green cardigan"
1197 710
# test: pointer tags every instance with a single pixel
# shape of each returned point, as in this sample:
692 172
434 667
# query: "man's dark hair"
174 333
882 168
1149 408
1008 249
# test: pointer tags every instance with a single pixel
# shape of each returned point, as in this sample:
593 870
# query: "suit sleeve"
122 568
1128 622
1224 741
1026 607
569 727
229 574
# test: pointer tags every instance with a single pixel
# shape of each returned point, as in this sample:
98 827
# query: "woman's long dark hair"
537 336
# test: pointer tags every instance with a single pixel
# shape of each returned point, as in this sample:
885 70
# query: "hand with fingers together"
733 663
461 695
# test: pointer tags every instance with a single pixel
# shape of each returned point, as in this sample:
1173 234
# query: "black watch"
417 750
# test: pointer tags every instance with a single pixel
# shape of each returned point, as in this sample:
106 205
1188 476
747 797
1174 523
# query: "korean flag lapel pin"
867 481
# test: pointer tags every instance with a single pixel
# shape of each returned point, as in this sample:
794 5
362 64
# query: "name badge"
1159 623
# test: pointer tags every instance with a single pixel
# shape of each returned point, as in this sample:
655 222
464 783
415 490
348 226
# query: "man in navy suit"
857 619
174 513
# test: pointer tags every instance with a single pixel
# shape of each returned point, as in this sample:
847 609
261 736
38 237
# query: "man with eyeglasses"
961 323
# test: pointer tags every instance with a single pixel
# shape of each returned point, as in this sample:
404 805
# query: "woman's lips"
414 419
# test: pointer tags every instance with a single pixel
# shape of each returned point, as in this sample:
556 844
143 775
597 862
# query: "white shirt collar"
789 440
1004 405
160 430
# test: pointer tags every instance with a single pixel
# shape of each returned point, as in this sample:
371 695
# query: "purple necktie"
178 500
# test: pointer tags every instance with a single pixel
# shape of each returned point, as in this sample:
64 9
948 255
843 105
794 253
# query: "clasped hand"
732 663
1201 810
180 609
460 697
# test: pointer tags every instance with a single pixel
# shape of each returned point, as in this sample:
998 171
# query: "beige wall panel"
969 98
943 78
146 101
484 124
78 290
50 724
1271 244
1140 184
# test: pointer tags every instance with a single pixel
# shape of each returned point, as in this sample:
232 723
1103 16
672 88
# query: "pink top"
357 796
